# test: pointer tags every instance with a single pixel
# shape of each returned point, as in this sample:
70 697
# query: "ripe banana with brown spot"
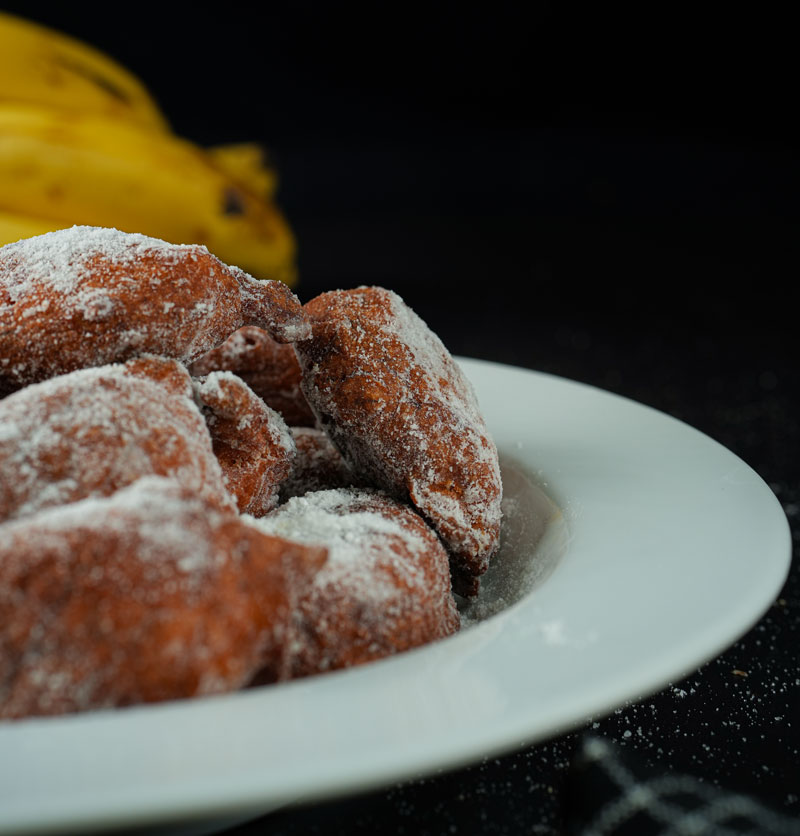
248 164
71 168
41 66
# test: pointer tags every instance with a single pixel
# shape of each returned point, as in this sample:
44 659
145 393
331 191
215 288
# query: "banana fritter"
268 367
151 594
148 392
87 296
385 587
317 466
252 443
396 404
93 431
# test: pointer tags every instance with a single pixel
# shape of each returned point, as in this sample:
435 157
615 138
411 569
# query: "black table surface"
619 210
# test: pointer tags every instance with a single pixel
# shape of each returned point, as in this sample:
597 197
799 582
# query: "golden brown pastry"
269 368
93 431
384 589
87 296
317 466
396 404
149 595
251 441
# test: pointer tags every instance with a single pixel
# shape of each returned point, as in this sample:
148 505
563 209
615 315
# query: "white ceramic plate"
672 548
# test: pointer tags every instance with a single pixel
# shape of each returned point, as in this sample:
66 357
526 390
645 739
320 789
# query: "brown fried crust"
251 441
318 465
87 296
399 408
269 368
93 431
146 596
384 589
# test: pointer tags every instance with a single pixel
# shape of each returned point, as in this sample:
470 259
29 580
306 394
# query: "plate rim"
177 802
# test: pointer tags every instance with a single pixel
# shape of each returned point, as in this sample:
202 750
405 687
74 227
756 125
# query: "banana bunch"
82 141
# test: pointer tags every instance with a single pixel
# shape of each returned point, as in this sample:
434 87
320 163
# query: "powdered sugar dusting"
251 441
385 587
332 518
83 456
146 595
153 506
86 296
268 367
59 261
399 408
93 431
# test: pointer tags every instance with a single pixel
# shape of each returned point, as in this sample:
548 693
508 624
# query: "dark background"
635 165
606 194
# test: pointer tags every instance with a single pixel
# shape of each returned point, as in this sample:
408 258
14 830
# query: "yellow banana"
87 169
14 226
248 164
43 67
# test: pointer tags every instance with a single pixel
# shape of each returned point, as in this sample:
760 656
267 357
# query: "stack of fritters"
205 485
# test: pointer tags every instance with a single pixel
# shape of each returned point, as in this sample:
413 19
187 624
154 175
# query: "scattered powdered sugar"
534 536
553 632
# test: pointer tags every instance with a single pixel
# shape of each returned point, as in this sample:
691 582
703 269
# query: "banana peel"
41 66
13 227
248 164
82 141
